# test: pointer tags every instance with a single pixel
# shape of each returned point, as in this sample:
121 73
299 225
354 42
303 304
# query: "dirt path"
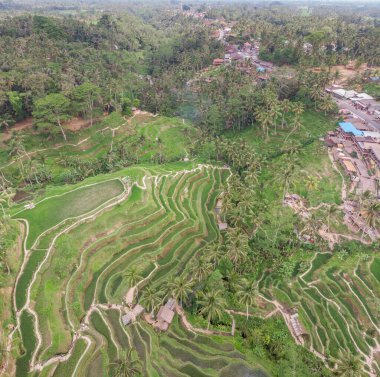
344 186
18 126
185 322
74 124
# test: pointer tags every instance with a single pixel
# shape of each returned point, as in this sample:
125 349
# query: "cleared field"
167 136
52 211
147 138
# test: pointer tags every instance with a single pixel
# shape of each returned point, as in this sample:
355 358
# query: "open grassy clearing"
54 210
312 156
145 137
169 136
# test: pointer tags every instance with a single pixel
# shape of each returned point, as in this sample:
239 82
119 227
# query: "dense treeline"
44 55
119 58
233 102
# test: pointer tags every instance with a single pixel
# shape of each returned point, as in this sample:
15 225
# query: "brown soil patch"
347 74
18 126
78 123
74 124
22 124
21 196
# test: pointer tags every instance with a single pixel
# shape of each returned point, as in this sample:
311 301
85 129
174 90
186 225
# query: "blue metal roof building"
350 128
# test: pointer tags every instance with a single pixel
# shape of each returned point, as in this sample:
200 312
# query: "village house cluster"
160 322
245 57
360 101
358 151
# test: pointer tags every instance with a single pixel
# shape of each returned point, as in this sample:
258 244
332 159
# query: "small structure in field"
296 326
217 62
347 130
132 315
218 207
128 298
165 315
222 226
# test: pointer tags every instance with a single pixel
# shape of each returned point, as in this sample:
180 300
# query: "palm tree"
179 288
296 126
151 299
247 294
285 175
214 253
237 247
234 281
132 276
311 182
349 365
201 268
285 107
298 108
327 104
275 112
371 212
212 305
126 365
265 120
17 149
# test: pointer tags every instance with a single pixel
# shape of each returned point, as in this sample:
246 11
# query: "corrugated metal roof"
350 128
374 134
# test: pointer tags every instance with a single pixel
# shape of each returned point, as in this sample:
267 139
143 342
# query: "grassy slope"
98 139
336 279
312 155
112 236
53 211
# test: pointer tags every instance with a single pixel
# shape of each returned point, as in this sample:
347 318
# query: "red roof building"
217 62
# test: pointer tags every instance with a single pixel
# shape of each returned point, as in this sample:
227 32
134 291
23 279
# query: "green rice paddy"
159 228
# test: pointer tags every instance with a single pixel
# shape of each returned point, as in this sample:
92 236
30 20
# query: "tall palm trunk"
62 130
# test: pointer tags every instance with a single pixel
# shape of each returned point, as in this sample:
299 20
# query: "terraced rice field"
338 305
69 294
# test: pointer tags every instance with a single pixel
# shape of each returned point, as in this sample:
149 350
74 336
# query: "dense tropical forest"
142 164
